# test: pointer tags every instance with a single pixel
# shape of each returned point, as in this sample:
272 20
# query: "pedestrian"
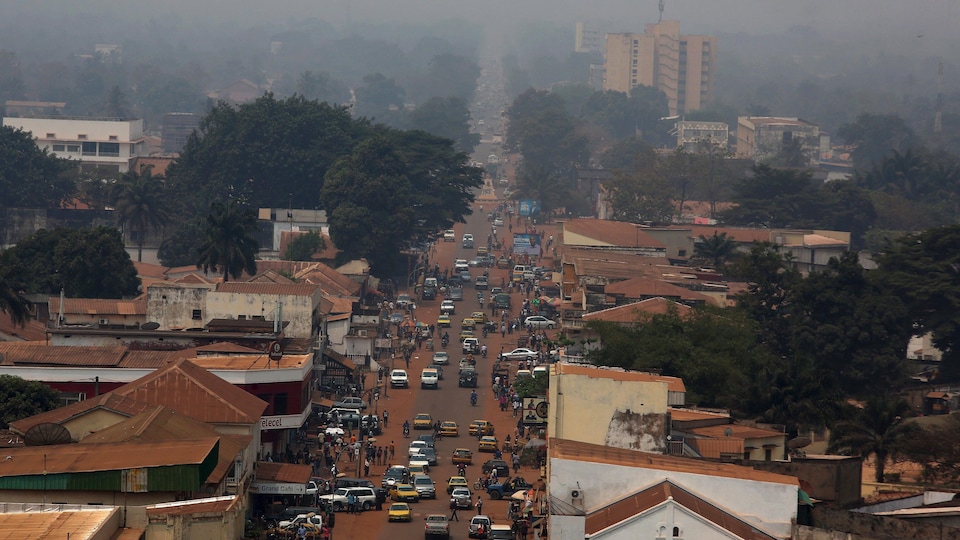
392 449
516 463
366 467
453 510
302 532
386 417
503 330
379 455
479 505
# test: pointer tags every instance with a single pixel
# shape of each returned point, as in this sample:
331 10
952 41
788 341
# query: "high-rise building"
588 40
682 66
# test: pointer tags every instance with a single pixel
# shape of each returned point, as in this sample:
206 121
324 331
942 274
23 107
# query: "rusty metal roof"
267 288
595 453
78 458
19 354
31 330
632 313
610 233
97 306
189 389
640 287
268 471
163 424
45 524
642 501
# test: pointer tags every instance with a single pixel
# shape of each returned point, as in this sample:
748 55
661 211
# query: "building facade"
682 66
94 143
702 137
763 138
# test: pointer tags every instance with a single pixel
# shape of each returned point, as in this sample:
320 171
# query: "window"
59 147
73 148
676 532
110 149
682 253
89 148
768 454
82 136
51 135
114 138
197 315
280 403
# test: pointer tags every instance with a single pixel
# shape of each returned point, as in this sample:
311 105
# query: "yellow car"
399 512
462 455
464 334
468 323
479 316
482 250
404 492
449 429
480 427
488 444
455 482
422 421
444 321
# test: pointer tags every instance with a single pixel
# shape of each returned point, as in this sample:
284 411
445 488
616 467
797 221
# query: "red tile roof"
632 313
611 233
268 471
595 453
653 496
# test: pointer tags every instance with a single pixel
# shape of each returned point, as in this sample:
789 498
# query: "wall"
661 520
870 527
835 479
105 498
623 414
768 505
172 306
675 240
92 421
298 310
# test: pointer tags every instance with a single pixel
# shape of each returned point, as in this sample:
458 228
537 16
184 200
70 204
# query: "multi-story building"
681 66
762 138
176 128
588 40
94 143
702 136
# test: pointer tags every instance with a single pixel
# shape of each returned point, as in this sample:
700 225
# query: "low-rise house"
97 312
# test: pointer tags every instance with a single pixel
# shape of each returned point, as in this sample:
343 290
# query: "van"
540 371
523 374
518 271
418 466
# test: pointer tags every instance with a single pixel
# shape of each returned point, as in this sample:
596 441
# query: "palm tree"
140 202
716 249
230 246
877 429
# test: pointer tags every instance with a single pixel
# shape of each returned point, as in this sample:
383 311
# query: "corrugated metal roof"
339 304
716 448
268 471
736 430
268 288
123 405
595 453
31 330
630 313
189 389
78 458
639 503
611 233
78 524
97 306
17 354
640 287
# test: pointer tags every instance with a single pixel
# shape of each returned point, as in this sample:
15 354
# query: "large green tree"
141 203
31 177
923 270
85 263
229 246
266 152
12 301
640 196
876 135
540 129
446 117
20 398
377 96
877 429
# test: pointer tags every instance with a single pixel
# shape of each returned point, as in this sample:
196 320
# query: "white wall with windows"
103 142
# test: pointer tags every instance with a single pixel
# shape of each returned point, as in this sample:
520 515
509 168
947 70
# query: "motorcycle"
406 431
484 328
461 470
444 342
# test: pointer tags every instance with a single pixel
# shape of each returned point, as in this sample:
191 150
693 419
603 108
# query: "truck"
502 301
429 378
508 488
437 526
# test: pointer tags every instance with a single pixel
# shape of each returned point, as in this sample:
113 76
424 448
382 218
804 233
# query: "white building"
702 136
93 142
603 493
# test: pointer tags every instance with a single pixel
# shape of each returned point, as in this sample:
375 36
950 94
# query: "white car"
429 378
519 354
538 322
460 265
415 446
398 378
447 307
441 358
449 235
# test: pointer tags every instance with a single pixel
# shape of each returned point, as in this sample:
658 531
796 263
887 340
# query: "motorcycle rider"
406 427
473 397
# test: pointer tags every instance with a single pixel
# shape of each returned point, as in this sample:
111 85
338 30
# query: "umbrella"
535 443
341 475
421 324
519 495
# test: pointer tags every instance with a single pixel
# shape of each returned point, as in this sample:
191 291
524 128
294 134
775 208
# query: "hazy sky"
930 17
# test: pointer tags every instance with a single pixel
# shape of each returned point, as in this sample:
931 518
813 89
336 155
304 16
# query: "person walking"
366 467
386 417
453 510
479 505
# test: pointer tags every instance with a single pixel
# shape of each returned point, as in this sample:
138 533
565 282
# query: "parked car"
538 322
351 403
366 498
519 354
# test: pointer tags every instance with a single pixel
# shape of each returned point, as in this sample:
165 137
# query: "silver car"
462 497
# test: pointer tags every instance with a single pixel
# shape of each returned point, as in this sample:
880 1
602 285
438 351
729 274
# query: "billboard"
529 207
526 244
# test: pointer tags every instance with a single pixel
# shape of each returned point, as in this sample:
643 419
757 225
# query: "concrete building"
682 66
94 143
175 130
763 138
701 137
602 493
622 409
589 40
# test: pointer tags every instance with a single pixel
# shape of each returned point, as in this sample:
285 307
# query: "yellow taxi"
479 317
488 444
404 492
465 333
469 322
399 511
455 482
422 421
449 429
480 427
462 455
482 250
443 321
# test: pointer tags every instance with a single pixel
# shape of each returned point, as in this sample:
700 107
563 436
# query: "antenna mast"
938 117
661 19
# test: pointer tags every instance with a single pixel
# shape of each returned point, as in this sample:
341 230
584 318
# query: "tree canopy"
449 118
31 177
20 398
85 263
229 245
